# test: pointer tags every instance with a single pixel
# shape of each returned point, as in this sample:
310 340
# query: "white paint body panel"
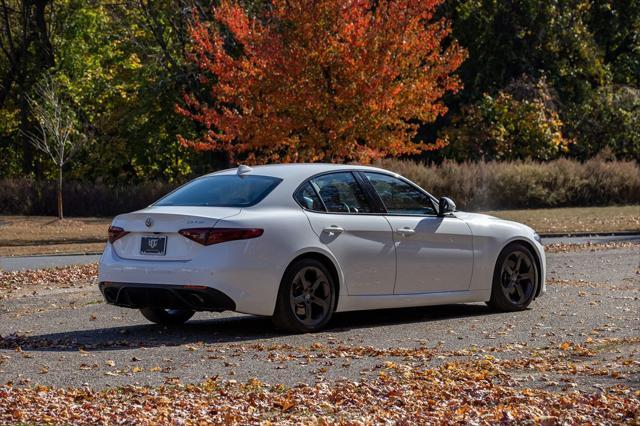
451 260
434 254
364 249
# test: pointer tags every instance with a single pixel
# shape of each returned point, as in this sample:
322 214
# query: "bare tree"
56 131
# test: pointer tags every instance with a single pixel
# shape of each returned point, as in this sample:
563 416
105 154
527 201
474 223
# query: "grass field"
20 235
576 219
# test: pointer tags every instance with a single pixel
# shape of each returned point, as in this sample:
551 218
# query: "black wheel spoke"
307 310
518 288
523 277
316 284
518 263
320 302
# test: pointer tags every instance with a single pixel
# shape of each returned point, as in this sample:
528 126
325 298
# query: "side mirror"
446 205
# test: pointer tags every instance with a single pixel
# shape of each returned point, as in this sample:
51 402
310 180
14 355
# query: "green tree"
616 28
123 62
584 49
540 38
122 65
609 119
25 53
520 122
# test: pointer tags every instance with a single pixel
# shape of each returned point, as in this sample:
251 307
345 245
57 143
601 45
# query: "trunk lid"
156 228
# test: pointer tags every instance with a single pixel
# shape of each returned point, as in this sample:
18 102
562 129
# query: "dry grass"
576 219
21 235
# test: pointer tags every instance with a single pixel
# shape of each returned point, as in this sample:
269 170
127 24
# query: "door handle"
406 231
333 230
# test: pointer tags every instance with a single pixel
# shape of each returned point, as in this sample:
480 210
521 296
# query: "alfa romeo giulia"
299 242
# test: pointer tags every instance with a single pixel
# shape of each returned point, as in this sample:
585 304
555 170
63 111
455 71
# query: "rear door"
359 238
435 254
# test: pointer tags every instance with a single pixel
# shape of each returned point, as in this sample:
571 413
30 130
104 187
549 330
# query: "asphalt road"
68 337
18 263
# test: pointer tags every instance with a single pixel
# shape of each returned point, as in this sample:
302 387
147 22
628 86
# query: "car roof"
299 171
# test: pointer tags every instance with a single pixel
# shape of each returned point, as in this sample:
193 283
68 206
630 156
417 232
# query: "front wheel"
306 298
167 316
515 279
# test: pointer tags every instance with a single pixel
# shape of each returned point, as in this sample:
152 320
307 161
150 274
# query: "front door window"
399 197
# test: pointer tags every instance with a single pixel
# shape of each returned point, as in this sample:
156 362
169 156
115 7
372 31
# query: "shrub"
520 122
527 184
473 186
30 197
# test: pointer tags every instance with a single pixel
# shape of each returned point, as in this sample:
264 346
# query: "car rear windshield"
221 191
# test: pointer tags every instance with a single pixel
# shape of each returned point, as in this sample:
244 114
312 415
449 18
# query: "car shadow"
235 329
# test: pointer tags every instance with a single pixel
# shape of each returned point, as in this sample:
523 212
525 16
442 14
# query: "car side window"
307 197
341 193
399 197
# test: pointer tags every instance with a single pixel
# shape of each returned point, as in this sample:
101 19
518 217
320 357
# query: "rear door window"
221 191
341 193
308 198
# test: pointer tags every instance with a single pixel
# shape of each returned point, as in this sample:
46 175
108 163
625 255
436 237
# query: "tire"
167 316
515 279
306 298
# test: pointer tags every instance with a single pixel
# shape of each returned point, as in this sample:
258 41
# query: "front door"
434 254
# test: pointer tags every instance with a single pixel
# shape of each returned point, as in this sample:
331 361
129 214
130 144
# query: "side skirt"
391 301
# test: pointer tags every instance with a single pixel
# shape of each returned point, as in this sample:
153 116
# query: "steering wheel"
346 206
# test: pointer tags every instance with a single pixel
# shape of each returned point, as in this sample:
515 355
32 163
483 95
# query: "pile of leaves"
589 246
66 275
478 391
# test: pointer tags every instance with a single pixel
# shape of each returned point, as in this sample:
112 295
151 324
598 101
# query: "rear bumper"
196 298
251 280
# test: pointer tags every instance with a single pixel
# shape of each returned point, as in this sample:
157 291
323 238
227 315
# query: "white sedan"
299 242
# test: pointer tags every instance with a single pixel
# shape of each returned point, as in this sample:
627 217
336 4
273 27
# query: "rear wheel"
307 297
167 316
515 279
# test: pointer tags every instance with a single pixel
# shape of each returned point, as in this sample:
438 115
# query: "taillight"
208 236
115 233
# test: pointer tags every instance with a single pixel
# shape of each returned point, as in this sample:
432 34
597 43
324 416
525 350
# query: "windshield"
221 191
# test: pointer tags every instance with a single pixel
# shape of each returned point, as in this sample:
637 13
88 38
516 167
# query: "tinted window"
399 197
221 191
308 198
341 193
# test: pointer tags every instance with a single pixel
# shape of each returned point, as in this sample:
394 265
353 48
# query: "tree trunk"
40 23
59 193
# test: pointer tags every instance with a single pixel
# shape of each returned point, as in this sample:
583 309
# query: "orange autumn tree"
321 80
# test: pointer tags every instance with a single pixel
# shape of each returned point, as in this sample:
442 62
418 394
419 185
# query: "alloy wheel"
310 296
518 277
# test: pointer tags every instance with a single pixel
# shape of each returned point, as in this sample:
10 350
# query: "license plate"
153 245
